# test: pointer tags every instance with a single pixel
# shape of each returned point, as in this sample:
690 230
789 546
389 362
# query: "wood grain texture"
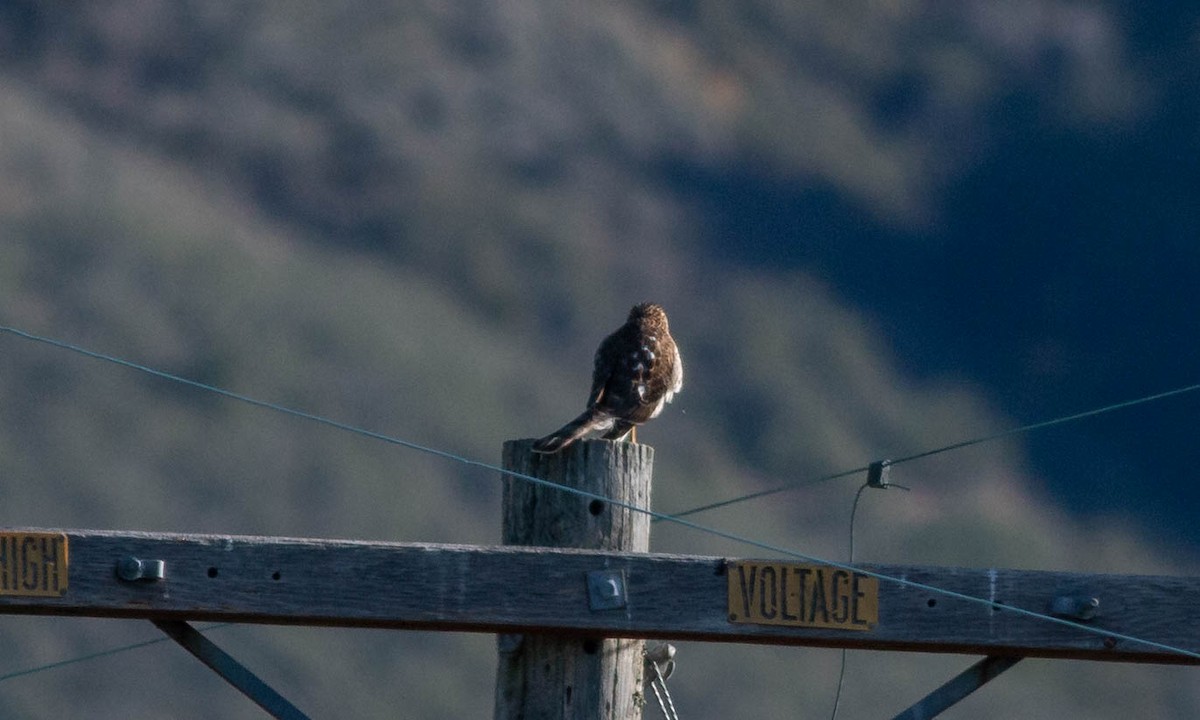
497 589
564 676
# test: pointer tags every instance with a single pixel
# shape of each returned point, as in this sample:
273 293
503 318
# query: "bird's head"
648 312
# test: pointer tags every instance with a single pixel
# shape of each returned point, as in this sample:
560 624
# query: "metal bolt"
131 569
1077 608
606 589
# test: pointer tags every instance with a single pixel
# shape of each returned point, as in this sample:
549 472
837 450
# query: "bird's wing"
602 369
624 382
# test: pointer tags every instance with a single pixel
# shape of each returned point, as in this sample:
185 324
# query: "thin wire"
239 397
100 654
668 707
654 514
791 485
853 513
805 482
837 696
658 695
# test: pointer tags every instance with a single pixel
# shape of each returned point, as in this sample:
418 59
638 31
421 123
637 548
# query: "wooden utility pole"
562 676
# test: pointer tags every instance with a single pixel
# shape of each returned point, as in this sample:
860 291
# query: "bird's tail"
591 420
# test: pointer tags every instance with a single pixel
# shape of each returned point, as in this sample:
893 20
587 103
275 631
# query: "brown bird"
637 371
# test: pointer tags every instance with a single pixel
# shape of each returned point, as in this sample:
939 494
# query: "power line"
100 654
793 485
236 396
806 482
716 532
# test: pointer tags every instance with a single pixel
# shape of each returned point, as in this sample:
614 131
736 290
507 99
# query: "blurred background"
879 228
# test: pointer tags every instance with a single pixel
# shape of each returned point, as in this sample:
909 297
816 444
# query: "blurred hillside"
421 220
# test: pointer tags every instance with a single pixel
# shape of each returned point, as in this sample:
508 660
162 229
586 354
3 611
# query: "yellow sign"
33 564
816 596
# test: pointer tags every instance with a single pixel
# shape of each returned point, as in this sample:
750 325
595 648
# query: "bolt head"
129 568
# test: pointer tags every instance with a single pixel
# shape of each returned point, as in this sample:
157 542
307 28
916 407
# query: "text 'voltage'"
816 596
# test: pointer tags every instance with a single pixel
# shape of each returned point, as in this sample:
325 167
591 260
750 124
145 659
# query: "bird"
637 371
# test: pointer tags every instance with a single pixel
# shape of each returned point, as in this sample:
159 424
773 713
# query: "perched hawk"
638 370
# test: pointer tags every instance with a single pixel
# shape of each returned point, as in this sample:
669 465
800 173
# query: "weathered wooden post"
551 676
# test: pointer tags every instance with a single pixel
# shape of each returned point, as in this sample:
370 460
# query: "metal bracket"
878 472
231 670
606 589
958 687
662 654
131 569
